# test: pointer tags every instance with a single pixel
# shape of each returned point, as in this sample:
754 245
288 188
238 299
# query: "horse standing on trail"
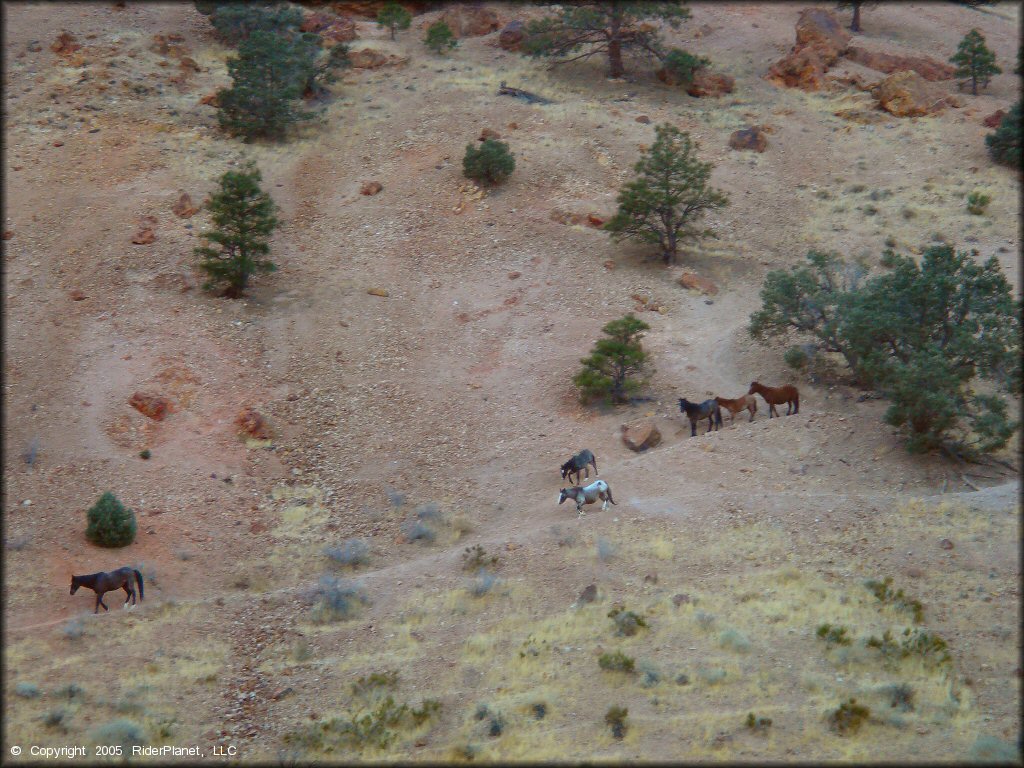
577 463
736 405
696 411
103 582
787 394
597 490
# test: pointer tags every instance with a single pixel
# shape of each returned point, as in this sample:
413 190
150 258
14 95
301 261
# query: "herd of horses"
711 410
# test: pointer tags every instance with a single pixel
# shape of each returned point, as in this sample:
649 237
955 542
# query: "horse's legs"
128 593
594 462
789 407
751 413
693 427
99 602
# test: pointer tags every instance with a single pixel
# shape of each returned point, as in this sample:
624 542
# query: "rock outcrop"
640 437
820 41
907 94
752 139
928 68
470 20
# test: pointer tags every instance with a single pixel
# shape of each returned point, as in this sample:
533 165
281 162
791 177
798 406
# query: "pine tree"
235 22
670 192
1004 144
393 16
492 163
601 28
614 363
268 77
243 218
111 523
440 37
975 62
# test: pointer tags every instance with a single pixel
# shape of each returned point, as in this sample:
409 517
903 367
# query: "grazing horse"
107 582
696 411
735 406
777 396
596 490
578 462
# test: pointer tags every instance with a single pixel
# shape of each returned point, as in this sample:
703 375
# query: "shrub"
474 558
31 452
616 717
27 690
70 691
833 635
758 724
483 583
616 662
495 722
1004 144
848 717
362 729
124 733
440 38
396 498
796 358
235 22
606 550
662 204
394 17
414 530
884 593
111 523
58 718
614 369
918 642
337 599
627 623
650 675
18 543
243 218
374 681
491 163
351 552
540 710
682 65
74 629
901 696
975 62
977 202
734 640
144 454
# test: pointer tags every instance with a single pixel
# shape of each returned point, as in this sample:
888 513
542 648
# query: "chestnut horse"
787 394
735 406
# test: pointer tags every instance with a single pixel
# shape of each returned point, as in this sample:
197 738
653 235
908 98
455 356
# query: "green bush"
975 62
884 593
796 358
627 623
1004 144
848 717
440 38
394 17
614 368
491 163
682 65
123 733
111 523
833 635
977 202
758 724
616 662
236 22
615 717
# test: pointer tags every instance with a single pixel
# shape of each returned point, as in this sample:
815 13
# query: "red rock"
470 20
188 64
167 45
946 544
250 422
514 275
488 133
317 22
595 221
640 437
926 67
77 295
907 94
210 100
694 282
257 527
371 59
341 31
58 143
185 208
803 69
709 84
370 188
993 120
820 41
144 236
155 407
749 138
643 119
609 265
512 35
65 44
8 234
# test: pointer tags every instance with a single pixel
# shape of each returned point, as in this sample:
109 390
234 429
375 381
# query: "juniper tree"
1004 144
975 62
670 193
110 523
394 17
243 218
440 37
683 65
601 28
491 163
235 22
615 363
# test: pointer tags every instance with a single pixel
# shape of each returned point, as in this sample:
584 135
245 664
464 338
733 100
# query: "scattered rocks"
470 20
185 208
926 67
588 595
280 693
371 59
168 45
65 44
752 139
512 35
640 437
694 282
252 423
907 94
370 188
382 292
488 133
592 220
144 236
155 407
946 544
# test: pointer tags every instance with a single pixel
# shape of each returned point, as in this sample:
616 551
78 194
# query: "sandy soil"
455 390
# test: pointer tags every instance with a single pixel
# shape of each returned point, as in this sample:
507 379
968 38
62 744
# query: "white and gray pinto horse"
596 490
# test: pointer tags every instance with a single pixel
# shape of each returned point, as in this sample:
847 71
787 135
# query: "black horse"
709 410
577 463
107 582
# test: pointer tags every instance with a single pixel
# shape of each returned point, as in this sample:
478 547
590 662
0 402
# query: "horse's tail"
610 495
138 578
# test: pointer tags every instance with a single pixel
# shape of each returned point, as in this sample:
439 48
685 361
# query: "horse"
578 462
598 489
735 406
696 411
107 582
787 394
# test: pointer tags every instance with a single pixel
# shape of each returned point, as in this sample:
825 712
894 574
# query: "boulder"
643 119
210 100
694 282
588 595
65 44
252 423
993 120
907 94
155 407
820 41
370 188
640 437
144 236
317 22
371 59
512 35
382 292
803 69
470 20
185 208
340 31
188 64
752 138
488 133
926 67
710 84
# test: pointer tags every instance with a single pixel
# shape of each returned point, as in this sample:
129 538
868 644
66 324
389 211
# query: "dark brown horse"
787 394
735 406
103 582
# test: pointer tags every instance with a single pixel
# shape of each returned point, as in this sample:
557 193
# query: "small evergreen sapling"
611 370
975 63
440 38
243 218
394 17
1004 144
492 163
111 523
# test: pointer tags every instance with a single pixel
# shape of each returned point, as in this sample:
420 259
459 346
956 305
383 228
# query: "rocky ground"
449 399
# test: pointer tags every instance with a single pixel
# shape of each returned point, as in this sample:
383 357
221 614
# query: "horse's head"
753 387
74 584
683 402
566 469
562 496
